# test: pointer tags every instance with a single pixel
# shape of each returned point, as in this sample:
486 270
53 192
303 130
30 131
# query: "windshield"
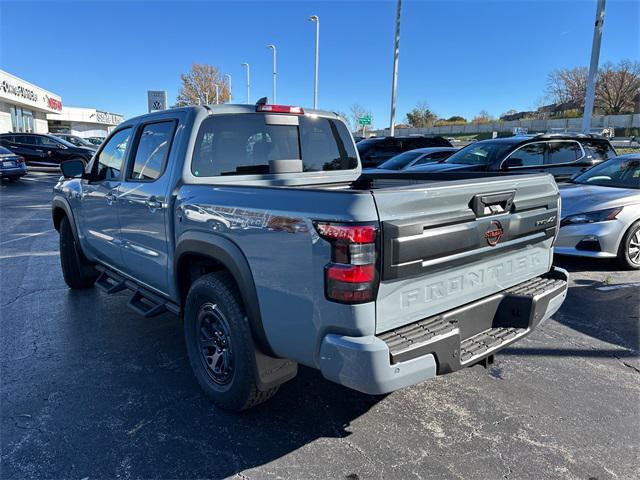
480 153
80 142
618 172
400 161
364 145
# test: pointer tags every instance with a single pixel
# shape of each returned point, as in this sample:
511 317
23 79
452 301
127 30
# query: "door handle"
153 204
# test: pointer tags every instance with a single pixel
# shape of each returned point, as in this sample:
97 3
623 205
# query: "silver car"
601 212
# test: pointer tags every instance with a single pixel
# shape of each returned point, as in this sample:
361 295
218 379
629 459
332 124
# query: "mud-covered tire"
219 344
627 250
77 271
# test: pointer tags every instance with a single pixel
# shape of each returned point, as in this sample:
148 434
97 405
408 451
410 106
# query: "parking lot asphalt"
89 389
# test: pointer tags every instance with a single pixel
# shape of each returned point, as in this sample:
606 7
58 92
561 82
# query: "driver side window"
110 159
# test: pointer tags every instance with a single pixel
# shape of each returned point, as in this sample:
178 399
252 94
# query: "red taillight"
280 109
351 277
350 233
351 273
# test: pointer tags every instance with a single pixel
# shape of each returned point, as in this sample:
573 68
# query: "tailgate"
445 244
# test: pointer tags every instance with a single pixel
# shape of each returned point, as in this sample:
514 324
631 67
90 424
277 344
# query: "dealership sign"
108 118
13 89
156 100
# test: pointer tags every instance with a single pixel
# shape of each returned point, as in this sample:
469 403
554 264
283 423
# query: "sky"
459 57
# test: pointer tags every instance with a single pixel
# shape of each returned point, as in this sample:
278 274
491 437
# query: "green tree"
421 116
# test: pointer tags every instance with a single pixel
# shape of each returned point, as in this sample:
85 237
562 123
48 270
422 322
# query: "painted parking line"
26 235
30 254
617 287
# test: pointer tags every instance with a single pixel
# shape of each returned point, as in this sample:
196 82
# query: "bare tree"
421 116
198 86
567 85
358 111
618 87
482 117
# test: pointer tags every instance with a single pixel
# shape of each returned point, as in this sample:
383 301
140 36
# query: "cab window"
152 151
109 161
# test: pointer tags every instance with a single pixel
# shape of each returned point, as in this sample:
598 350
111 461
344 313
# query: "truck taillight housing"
352 275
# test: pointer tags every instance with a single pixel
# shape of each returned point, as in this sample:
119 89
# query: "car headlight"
592 217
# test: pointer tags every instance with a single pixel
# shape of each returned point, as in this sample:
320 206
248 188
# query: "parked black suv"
373 151
562 155
44 150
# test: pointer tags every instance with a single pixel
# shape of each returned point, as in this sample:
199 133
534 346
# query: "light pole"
394 80
217 93
229 80
315 19
593 68
273 47
206 98
248 95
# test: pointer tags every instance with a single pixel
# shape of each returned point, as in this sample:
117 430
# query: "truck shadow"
124 388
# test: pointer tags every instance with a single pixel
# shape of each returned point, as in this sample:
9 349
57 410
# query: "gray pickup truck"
256 225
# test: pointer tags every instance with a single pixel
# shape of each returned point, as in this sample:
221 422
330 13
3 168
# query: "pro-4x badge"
494 233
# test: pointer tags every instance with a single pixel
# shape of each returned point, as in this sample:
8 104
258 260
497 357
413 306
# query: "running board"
144 302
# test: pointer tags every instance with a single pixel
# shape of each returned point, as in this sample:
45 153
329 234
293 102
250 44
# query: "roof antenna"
262 101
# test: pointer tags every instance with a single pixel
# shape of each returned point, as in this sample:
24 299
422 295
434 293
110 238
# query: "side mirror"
72 169
513 162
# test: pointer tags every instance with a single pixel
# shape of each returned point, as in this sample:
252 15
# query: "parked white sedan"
601 212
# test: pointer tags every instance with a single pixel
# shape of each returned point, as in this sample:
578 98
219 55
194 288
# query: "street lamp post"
248 95
273 47
593 68
316 20
394 80
217 93
229 80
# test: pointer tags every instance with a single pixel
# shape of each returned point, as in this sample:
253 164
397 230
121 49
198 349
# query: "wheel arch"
59 209
210 253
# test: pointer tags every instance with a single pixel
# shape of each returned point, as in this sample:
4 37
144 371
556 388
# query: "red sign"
494 233
54 104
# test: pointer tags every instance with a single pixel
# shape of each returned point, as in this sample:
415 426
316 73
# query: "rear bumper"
13 171
444 343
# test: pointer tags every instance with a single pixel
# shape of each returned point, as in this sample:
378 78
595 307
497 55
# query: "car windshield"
480 153
77 141
400 161
364 145
618 172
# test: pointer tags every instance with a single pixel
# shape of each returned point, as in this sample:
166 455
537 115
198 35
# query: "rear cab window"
246 144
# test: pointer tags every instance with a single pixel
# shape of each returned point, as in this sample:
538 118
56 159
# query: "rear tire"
219 344
77 271
629 249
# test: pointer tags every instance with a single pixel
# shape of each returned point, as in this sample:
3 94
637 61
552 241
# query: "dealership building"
25 107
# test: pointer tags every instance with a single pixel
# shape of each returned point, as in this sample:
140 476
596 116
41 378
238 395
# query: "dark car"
374 151
12 166
413 158
97 141
561 155
44 150
76 140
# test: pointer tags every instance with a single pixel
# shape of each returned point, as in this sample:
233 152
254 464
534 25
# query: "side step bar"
143 301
